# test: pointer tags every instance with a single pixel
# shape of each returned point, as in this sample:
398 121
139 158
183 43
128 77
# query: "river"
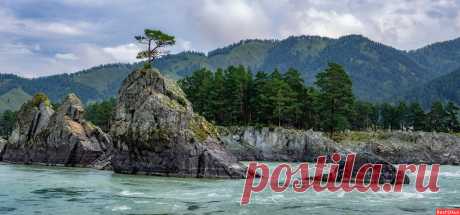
61 190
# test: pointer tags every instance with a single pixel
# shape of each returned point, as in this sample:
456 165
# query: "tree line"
236 96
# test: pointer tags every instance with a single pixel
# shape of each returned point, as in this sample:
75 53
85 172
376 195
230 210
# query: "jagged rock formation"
43 136
278 144
155 132
412 147
275 144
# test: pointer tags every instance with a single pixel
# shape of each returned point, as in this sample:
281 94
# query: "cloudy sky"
44 37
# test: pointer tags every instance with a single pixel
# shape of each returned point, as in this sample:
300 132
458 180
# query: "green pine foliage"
7 122
236 96
336 98
100 113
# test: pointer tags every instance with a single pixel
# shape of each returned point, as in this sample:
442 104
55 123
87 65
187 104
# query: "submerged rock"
64 137
155 132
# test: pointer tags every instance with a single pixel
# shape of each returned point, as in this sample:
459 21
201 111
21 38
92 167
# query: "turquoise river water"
59 190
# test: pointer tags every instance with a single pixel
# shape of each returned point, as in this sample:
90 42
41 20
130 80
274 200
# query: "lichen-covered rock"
155 132
412 147
42 136
275 144
279 144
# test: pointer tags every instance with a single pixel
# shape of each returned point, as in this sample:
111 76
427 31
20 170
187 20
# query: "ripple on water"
7 209
412 210
60 192
121 208
129 193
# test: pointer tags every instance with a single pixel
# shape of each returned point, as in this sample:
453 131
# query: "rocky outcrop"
275 144
411 147
155 132
2 146
278 144
64 137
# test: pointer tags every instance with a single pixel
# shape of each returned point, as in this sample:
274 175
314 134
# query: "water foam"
121 208
129 193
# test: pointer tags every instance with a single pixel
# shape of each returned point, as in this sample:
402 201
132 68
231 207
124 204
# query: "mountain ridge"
379 72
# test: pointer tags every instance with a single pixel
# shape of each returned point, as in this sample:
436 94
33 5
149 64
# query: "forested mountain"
441 58
378 72
444 88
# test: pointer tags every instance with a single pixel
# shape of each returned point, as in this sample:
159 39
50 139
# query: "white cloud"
323 23
225 22
15 49
12 24
66 56
123 53
85 33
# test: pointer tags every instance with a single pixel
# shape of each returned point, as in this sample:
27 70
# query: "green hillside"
13 99
444 88
440 58
379 72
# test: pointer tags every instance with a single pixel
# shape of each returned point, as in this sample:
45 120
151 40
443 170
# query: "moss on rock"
40 98
202 128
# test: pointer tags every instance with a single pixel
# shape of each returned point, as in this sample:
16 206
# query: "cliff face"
57 138
155 132
278 144
275 144
412 147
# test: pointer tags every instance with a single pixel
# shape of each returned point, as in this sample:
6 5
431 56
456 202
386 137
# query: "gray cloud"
55 36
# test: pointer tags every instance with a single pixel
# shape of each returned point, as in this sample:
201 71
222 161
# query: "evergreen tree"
100 113
402 116
7 122
217 97
310 116
260 103
282 98
295 82
437 117
416 117
236 84
335 98
197 87
155 41
362 115
389 116
453 123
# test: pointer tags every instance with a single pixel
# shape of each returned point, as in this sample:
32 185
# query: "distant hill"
444 88
440 58
379 72
13 99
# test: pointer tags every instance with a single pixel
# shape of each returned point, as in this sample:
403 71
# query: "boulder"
2 145
64 137
156 132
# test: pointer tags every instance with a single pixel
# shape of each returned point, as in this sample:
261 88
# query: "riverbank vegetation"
236 96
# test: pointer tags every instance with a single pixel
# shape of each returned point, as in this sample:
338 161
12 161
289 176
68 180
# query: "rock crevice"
156 132
64 137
